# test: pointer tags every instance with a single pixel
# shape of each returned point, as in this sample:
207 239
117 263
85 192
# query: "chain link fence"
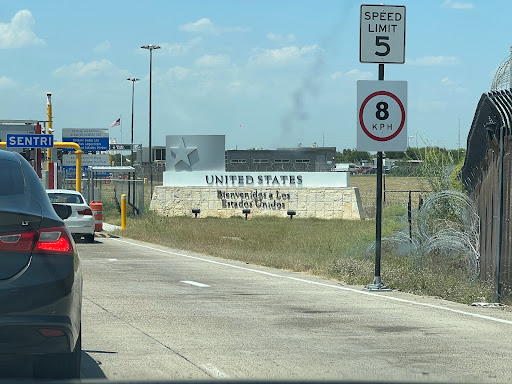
109 184
396 190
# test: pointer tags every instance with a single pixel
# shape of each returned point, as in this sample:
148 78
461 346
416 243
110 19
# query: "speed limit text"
376 18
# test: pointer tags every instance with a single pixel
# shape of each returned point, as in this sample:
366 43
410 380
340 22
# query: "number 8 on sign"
382 129
382 115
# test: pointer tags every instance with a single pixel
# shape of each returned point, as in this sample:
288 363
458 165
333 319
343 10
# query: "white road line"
195 283
112 260
360 292
217 373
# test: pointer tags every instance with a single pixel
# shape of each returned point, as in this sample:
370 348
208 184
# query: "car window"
13 182
65 198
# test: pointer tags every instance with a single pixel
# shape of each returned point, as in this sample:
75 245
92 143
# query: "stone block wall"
323 203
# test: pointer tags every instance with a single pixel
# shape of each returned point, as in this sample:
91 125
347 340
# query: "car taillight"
54 240
17 242
85 212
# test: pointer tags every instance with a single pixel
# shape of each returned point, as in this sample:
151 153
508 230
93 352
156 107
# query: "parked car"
361 170
40 275
81 222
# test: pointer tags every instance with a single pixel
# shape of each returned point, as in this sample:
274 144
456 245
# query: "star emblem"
181 153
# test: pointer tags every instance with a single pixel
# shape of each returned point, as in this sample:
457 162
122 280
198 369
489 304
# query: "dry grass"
333 249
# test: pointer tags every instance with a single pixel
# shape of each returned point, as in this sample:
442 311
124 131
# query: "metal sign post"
381 113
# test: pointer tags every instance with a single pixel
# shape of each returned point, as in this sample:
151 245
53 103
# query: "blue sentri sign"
29 141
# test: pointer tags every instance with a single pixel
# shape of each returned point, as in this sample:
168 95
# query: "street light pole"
133 80
150 47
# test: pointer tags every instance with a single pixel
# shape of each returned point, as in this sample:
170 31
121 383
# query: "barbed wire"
501 79
447 225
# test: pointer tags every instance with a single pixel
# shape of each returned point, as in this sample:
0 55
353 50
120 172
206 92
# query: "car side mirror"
62 210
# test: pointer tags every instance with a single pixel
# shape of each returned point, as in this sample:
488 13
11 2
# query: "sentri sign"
257 179
29 141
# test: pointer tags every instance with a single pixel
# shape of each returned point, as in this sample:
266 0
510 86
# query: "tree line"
412 153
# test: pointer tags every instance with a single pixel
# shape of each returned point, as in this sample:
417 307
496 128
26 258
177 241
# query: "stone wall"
323 203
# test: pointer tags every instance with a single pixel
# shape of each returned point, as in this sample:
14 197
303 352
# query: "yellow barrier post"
123 211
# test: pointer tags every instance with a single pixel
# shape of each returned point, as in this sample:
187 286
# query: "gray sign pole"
377 284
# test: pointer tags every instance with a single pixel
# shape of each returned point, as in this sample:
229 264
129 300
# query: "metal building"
301 159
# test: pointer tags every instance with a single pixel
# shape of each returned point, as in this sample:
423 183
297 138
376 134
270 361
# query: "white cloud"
359 75
353 74
284 56
18 33
452 85
336 75
281 39
180 49
179 73
81 69
457 5
205 25
213 61
6 83
433 60
102 47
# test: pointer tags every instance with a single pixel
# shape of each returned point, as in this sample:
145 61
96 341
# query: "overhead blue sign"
89 143
29 141
89 139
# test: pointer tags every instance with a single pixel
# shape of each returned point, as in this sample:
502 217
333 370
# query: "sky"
264 73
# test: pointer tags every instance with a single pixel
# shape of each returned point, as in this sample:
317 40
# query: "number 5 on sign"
381 115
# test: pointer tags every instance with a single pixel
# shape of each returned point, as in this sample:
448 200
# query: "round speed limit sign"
382 115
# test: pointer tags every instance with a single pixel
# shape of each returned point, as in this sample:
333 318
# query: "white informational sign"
382 34
88 160
381 115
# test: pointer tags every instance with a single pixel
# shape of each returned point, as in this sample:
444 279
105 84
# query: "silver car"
81 222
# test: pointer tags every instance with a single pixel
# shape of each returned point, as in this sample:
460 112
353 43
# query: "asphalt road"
150 312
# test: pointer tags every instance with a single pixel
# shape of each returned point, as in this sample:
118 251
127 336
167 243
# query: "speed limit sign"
382 34
381 115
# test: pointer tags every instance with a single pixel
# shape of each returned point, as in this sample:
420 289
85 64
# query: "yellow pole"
49 129
123 211
78 153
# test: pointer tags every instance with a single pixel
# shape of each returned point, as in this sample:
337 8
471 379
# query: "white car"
81 222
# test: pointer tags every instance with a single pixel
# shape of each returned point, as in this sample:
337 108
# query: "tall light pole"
133 80
150 47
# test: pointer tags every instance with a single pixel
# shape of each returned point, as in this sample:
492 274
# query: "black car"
40 275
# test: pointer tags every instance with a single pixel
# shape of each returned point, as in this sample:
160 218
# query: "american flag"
116 123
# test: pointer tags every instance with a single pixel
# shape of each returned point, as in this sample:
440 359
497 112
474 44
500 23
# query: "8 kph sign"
382 115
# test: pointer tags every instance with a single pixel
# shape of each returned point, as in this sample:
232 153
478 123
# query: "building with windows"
158 154
300 159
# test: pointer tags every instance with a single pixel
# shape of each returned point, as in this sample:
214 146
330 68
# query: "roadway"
150 312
